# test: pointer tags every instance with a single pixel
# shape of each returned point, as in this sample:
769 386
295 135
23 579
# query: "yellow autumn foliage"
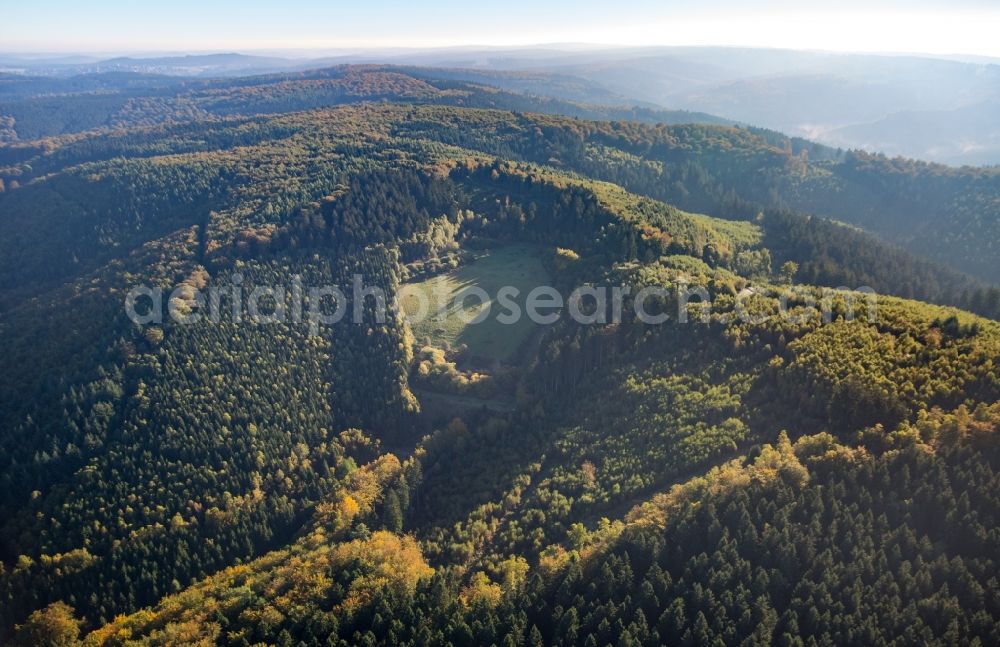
481 591
392 561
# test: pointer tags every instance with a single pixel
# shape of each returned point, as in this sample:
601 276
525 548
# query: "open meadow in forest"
446 324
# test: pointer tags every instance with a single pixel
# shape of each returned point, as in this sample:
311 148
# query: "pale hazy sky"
931 26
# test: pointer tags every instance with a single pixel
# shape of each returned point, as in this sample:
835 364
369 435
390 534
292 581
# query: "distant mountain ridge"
114 99
939 109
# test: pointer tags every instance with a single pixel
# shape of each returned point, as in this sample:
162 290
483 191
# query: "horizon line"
305 53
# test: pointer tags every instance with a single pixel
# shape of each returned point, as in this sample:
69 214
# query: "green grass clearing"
445 325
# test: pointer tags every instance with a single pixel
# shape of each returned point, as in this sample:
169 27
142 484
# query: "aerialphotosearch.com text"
328 305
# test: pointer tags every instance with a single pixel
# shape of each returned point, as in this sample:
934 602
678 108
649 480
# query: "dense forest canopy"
732 479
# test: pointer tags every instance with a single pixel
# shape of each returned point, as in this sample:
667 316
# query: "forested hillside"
909 203
743 477
31 108
946 214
